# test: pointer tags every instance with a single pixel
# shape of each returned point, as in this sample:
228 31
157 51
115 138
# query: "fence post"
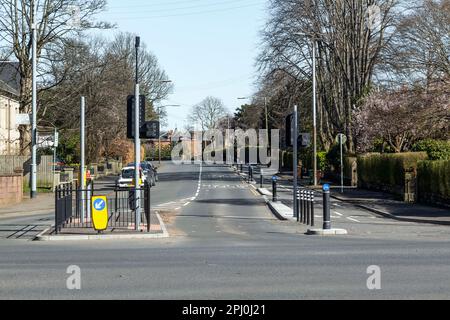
149 207
115 199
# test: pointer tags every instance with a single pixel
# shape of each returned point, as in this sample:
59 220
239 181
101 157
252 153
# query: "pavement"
386 205
380 203
226 244
44 203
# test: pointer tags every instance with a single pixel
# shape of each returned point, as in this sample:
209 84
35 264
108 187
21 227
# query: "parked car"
152 168
127 176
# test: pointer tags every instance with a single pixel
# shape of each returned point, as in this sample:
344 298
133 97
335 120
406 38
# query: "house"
9 108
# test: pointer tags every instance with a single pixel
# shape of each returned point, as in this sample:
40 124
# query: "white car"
127 177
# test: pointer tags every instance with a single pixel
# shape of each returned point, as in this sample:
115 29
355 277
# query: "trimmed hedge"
433 178
386 172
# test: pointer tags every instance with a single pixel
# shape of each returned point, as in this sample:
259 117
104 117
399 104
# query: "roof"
10 77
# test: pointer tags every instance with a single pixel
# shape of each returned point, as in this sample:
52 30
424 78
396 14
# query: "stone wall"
11 188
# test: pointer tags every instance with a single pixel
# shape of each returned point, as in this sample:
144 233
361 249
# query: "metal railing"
73 207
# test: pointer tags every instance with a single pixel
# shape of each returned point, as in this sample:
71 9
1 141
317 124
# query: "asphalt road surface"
225 244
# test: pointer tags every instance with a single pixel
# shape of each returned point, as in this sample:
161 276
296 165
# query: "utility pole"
83 156
137 140
33 182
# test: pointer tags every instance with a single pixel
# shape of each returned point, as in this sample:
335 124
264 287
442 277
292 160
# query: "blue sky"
207 47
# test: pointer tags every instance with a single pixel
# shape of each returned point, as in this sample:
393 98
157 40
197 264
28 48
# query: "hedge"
386 172
433 178
436 149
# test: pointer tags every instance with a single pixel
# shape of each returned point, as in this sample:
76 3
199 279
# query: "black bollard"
326 208
261 181
312 209
274 189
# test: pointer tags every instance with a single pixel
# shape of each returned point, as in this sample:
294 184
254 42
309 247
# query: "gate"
73 207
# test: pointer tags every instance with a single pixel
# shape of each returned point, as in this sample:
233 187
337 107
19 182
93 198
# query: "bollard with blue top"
326 207
274 188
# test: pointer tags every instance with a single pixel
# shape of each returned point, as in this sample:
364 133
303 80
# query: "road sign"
341 138
326 187
23 119
100 213
56 140
130 115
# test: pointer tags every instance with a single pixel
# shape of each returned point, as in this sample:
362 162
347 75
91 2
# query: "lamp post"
159 119
314 102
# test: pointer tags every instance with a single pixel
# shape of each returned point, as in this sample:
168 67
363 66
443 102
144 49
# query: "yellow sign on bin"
100 213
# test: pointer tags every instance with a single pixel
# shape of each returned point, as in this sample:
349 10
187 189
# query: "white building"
9 109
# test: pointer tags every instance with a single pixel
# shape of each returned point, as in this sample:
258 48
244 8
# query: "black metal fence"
73 207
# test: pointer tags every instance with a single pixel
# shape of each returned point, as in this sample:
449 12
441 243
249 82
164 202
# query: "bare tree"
348 45
103 72
421 51
207 113
56 22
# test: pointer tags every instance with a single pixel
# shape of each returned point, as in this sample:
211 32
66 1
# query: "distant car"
149 170
127 176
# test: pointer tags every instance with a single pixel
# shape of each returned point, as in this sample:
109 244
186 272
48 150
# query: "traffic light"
290 131
130 115
150 130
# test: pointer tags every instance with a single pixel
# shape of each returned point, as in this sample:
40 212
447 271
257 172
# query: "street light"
313 38
159 119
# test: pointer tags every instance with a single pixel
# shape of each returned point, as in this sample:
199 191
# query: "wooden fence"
44 168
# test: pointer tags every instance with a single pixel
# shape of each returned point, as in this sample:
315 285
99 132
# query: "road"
225 244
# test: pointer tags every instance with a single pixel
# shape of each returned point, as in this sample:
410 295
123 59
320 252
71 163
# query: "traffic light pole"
295 162
33 173
137 141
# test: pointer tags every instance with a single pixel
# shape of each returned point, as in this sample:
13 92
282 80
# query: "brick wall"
11 191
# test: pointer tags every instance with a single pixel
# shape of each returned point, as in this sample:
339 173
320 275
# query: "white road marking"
339 214
186 204
354 220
